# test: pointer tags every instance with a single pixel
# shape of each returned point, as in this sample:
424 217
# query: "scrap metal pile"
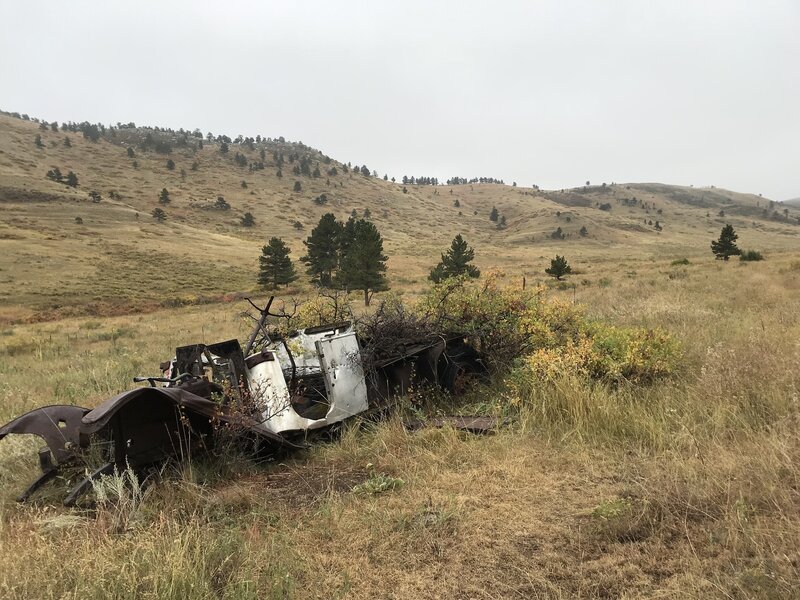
272 393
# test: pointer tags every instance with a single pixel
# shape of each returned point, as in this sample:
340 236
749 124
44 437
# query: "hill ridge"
62 249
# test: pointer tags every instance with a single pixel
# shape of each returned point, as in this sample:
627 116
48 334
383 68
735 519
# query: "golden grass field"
688 487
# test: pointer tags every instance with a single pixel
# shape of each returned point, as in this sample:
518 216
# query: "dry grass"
686 488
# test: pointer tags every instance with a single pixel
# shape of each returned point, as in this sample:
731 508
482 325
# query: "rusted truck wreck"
273 394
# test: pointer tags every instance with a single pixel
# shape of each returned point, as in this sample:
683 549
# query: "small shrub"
679 262
751 255
377 483
623 519
678 274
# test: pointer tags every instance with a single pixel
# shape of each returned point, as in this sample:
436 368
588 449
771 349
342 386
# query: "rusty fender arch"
146 421
59 425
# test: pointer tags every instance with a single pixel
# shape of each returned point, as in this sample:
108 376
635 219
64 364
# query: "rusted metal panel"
275 394
472 424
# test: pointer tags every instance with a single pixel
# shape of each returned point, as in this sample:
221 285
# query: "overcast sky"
554 93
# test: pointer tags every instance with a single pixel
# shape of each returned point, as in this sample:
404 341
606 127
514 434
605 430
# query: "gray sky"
551 92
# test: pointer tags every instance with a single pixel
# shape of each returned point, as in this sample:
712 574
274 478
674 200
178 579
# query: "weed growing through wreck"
119 497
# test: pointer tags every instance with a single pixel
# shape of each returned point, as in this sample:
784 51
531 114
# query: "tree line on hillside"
465 181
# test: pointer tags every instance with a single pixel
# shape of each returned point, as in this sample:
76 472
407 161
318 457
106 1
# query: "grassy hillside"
119 259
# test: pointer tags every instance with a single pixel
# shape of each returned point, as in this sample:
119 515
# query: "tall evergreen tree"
163 197
275 266
346 237
322 250
726 246
363 265
494 215
455 262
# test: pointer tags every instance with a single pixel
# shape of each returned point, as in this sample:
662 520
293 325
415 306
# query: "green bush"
679 262
544 339
751 255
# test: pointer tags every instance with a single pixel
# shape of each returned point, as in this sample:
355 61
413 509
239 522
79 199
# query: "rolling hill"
61 251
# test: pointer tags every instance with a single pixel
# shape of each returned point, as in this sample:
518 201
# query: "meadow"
687 486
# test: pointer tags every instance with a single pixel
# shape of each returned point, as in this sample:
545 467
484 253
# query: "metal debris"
472 424
274 395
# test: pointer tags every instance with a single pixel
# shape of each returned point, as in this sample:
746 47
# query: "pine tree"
55 174
455 262
131 153
247 219
322 250
725 246
67 142
346 237
584 232
276 267
159 215
72 179
494 215
298 186
170 164
163 197
364 264
558 267
38 140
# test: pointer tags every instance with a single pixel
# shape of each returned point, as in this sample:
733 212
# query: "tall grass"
679 487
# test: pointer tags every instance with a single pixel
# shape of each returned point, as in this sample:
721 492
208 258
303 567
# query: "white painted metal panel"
340 358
